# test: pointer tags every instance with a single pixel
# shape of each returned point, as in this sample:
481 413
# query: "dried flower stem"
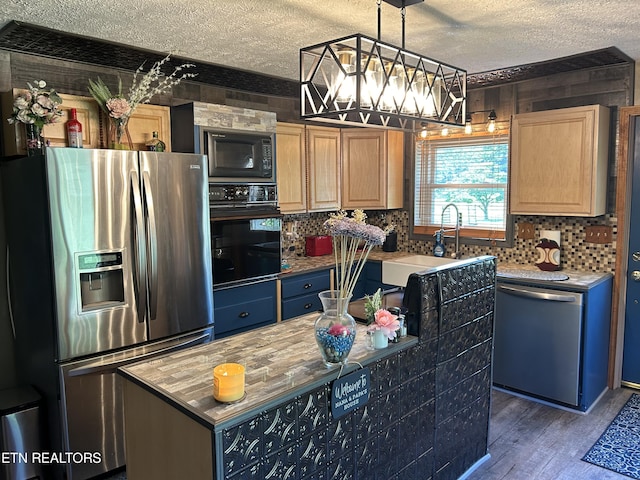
347 235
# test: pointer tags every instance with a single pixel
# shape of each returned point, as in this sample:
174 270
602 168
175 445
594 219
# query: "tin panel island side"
427 415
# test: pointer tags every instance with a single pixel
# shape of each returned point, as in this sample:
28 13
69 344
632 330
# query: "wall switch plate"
598 234
526 231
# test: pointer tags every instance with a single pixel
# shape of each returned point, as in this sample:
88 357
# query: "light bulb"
344 81
492 121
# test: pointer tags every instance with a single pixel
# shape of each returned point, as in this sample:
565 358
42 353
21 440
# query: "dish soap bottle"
155 144
74 130
438 248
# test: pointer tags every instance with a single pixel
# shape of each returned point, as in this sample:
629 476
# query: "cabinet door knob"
307 286
636 275
243 314
307 306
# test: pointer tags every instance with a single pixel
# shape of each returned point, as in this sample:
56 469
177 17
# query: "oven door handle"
220 214
554 297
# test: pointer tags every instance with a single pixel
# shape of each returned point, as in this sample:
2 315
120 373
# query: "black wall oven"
245 233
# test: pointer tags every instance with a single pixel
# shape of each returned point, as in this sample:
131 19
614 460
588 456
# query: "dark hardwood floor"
532 441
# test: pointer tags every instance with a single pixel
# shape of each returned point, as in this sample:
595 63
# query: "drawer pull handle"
307 306
307 286
243 314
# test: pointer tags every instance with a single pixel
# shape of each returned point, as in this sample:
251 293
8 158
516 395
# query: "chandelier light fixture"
366 82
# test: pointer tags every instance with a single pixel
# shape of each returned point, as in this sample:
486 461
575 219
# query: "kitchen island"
427 415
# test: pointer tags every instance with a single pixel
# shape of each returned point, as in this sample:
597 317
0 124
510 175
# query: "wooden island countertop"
281 361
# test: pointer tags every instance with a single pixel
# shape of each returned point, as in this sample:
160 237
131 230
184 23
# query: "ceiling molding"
36 40
594 59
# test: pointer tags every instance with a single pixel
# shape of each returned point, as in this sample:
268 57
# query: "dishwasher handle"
554 297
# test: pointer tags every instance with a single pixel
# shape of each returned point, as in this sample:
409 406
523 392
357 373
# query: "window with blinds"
471 174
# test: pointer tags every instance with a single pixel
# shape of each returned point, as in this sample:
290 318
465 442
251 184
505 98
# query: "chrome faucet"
456 253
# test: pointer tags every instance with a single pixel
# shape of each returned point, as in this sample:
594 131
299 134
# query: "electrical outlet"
526 231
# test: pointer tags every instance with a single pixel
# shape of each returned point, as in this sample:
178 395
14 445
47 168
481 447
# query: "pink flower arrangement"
118 107
386 322
36 105
143 88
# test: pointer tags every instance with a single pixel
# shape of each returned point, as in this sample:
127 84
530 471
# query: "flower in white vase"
386 322
372 303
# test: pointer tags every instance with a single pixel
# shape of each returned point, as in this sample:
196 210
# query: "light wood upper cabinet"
323 168
559 162
56 133
88 115
147 119
291 167
372 168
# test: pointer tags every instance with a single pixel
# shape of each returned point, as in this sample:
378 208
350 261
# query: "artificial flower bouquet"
349 234
386 322
335 329
37 106
119 107
372 303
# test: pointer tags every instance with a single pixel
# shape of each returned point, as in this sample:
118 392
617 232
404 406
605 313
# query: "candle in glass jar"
228 382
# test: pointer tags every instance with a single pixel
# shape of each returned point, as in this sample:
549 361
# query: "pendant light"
363 81
491 121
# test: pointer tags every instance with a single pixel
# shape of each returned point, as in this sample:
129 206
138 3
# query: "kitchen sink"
397 271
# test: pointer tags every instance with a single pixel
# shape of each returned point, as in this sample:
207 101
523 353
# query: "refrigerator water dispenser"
101 280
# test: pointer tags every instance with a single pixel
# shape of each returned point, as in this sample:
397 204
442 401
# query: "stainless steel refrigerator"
109 262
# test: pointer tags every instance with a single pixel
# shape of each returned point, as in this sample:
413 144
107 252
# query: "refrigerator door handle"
138 229
152 242
111 367
13 325
554 297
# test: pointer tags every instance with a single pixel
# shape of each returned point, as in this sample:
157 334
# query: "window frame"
468 236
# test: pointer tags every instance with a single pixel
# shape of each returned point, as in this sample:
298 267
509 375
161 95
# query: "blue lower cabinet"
294 307
242 308
300 293
370 280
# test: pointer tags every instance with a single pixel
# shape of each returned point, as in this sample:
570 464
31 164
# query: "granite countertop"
515 272
309 264
523 273
281 361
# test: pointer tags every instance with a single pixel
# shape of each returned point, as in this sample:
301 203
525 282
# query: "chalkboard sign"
350 392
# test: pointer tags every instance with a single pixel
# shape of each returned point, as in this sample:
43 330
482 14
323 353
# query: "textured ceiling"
265 36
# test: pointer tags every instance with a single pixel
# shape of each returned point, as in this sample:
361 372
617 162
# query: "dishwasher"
538 342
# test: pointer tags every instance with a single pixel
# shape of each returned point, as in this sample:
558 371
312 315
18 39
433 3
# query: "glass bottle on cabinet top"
155 144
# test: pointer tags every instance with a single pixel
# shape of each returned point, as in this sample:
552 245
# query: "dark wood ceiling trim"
596 58
37 40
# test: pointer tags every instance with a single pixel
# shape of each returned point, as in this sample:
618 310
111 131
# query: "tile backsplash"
576 252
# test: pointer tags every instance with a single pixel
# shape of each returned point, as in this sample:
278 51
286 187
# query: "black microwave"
239 156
